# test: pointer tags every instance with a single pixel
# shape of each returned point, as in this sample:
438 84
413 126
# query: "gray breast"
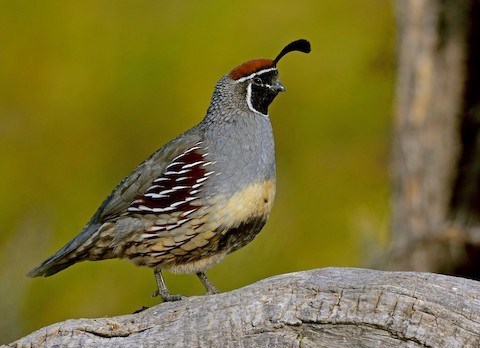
243 151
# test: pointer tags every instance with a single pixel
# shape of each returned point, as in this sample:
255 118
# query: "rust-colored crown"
254 65
251 67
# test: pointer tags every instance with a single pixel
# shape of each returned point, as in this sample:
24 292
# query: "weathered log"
331 307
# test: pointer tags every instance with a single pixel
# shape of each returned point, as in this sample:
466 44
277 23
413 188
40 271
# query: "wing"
141 179
133 186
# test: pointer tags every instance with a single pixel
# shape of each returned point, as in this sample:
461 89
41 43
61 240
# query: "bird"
203 195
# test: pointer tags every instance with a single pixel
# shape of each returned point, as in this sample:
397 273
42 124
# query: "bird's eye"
257 81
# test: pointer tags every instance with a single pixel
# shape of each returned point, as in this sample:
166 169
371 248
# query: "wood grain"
332 307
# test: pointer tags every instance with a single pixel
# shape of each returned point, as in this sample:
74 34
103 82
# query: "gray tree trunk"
436 150
330 307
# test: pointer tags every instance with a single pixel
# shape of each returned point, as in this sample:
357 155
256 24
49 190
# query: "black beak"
278 87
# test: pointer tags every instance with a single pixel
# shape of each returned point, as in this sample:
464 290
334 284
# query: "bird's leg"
211 289
162 290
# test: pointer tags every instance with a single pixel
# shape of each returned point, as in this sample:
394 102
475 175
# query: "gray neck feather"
241 141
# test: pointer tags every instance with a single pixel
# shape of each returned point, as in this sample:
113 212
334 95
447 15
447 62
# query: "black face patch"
261 91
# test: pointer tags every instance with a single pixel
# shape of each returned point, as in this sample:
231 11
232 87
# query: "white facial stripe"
249 100
255 73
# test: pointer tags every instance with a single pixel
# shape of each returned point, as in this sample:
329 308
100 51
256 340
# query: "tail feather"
61 260
50 267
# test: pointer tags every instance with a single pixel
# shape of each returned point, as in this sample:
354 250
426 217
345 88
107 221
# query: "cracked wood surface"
331 307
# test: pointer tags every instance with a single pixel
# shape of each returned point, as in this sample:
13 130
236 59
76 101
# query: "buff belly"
210 234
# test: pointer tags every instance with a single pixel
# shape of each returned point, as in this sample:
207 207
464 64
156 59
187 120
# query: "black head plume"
301 45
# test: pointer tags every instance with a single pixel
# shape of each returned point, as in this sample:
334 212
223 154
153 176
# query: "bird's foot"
167 297
211 289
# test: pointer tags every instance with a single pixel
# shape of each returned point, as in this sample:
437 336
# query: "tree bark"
330 307
436 150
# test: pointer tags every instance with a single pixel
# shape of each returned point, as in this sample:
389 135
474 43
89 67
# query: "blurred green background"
89 89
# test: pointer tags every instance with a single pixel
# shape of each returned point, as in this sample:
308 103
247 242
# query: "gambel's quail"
203 195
